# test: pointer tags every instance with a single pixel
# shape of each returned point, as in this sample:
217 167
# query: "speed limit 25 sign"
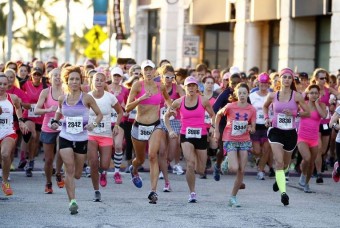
191 46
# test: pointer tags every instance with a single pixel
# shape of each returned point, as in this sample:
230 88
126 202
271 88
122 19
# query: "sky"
81 15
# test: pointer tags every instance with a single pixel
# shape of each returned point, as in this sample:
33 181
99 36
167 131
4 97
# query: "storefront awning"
263 10
204 12
304 8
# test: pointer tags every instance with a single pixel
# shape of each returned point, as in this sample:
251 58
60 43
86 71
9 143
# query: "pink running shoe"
118 178
335 175
103 181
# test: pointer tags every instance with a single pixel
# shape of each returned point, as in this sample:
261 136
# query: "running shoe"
287 177
271 173
6 188
167 187
97 197
260 175
275 187
224 165
192 198
136 179
335 174
177 169
22 164
87 171
48 188
12 167
127 170
73 207
319 179
60 180
102 179
161 176
306 189
117 178
302 181
216 173
153 197
29 168
284 199
233 202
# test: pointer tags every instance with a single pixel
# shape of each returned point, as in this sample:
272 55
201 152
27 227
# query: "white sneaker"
88 171
177 169
260 176
161 176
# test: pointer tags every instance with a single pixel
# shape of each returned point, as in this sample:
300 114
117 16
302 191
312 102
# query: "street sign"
93 52
191 46
96 36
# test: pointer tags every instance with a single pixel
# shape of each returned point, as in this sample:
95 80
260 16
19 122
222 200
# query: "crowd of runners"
86 117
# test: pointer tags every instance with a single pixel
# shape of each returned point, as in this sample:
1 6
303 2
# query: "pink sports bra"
155 99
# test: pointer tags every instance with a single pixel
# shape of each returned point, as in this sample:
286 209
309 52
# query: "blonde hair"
93 87
16 81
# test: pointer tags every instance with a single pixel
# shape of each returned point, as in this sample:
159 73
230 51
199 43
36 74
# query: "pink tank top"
173 96
122 98
280 120
155 99
50 101
309 127
193 119
33 93
325 99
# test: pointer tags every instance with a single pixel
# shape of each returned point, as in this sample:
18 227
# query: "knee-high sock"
281 180
118 157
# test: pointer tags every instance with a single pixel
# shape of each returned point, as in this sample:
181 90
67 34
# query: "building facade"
270 34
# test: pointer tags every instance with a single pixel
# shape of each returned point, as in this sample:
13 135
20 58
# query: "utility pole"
67 33
9 30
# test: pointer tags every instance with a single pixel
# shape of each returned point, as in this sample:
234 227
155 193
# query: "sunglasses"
169 77
286 76
313 93
36 74
117 75
322 78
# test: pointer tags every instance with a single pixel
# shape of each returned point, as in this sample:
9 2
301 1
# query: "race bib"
193 133
31 111
284 121
239 127
132 114
207 118
260 117
103 126
114 116
144 132
5 123
74 125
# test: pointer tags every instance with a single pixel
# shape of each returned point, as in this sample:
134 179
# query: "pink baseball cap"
226 75
264 78
190 80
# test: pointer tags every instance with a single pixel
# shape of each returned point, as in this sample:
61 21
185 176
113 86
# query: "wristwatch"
334 125
95 124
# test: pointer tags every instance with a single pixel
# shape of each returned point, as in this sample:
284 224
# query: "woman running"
282 135
121 93
261 146
308 135
193 133
47 105
100 138
74 107
170 147
9 103
146 95
241 120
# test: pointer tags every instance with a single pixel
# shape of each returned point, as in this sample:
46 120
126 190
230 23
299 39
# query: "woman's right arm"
131 101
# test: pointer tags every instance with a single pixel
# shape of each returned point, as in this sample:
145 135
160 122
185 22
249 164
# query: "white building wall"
334 62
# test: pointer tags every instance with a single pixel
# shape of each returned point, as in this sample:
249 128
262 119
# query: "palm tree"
3 22
55 34
79 43
32 39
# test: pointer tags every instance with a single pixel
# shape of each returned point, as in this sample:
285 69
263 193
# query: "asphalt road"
126 206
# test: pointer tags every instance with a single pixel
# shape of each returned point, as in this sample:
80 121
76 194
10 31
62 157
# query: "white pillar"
254 46
285 31
334 62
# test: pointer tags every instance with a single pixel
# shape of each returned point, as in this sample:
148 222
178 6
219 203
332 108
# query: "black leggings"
127 134
337 148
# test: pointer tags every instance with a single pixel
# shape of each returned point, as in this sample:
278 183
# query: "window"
323 40
274 44
216 48
153 35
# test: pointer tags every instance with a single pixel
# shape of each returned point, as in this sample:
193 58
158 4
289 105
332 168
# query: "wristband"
21 119
55 121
